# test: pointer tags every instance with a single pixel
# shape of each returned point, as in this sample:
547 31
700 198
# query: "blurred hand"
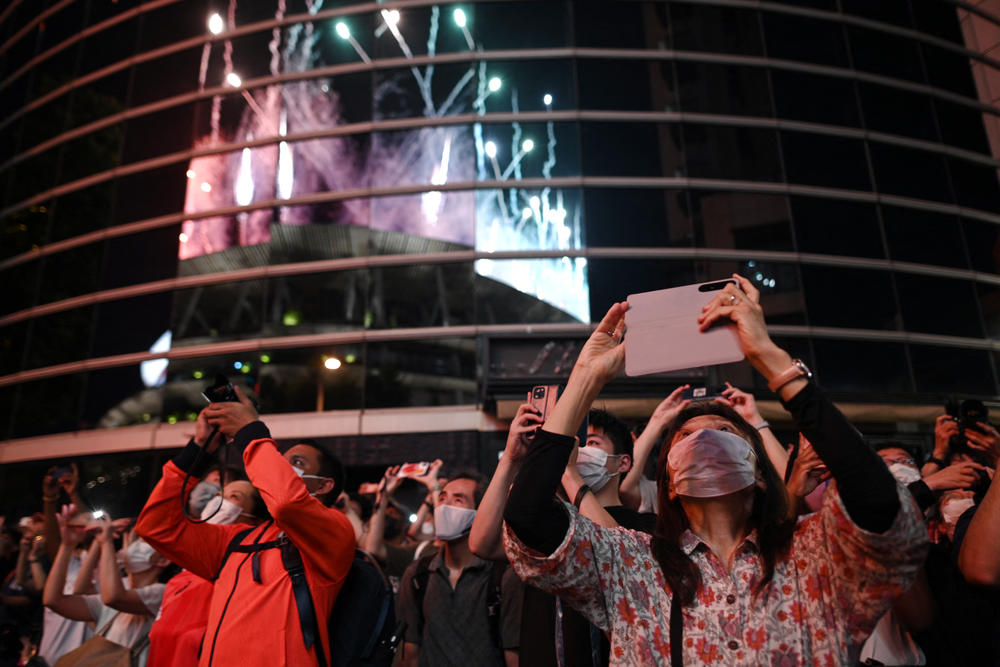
230 417
986 441
743 403
37 547
430 479
50 485
390 482
202 431
945 427
102 529
121 526
523 428
603 355
71 534
741 306
69 481
668 409
960 475
807 471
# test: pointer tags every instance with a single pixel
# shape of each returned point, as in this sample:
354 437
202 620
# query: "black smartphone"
702 393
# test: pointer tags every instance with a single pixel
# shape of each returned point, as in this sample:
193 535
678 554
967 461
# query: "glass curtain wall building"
392 218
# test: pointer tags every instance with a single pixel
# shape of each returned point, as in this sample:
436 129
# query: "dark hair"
329 466
612 427
770 514
480 481
895 444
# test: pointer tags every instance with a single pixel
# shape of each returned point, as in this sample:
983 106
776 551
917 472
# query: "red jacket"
252 623
175 638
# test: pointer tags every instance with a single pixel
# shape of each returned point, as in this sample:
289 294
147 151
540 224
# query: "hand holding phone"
414 469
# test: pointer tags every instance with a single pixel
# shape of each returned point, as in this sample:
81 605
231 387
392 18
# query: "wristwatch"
797 370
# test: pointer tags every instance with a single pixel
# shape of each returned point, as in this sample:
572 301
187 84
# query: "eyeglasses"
905 461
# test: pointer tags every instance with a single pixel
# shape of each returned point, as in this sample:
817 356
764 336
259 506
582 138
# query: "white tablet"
662 331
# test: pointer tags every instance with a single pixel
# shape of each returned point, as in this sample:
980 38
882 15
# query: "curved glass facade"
441 197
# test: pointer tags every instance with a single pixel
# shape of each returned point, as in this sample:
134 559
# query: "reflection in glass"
952 370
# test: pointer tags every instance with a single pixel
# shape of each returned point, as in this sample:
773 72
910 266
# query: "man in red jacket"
253 619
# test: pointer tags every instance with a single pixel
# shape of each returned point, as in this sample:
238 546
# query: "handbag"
99 651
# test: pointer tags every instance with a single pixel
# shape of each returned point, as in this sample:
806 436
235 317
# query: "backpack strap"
292 560
235 545
494 601
419 583
676 632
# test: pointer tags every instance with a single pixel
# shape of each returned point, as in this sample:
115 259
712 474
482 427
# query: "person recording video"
253 611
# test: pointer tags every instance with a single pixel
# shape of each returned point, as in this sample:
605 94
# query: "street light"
215 24
330 364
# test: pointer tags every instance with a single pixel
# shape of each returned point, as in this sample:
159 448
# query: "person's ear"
624 464
325 487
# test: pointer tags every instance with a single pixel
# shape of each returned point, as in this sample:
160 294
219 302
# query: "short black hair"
329 466
895 444
612 427
480 481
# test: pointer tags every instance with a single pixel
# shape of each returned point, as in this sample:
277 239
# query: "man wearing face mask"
254 617
453 613
175 639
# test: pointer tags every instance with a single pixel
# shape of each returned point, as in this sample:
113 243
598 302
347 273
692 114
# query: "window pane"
421 373
807 96
983 242
71 273
975 184
895 111
48 406
924 237
12 340
723 89
951 370
648 152
713 151
882 53
627 85
855 366
522 25
528 290
961 126
910 173
804 39
637 218
849 298
741 220
989 304
612 280
715 29
835 227
931 304
631 24
812 159
949 70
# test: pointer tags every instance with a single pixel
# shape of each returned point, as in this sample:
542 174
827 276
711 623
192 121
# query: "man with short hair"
454 613
253 617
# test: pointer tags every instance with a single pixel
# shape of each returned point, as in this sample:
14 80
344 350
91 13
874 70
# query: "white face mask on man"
302 473
592 464
711 463
953 508
904 473
451 523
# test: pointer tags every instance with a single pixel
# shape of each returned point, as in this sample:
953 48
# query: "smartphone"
97 515
221 391
702 393
543 398
663 335
414 469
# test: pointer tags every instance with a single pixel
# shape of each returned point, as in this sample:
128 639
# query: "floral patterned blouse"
824 599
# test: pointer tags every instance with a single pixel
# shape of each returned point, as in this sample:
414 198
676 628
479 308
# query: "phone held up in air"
543 398
414 469
663 334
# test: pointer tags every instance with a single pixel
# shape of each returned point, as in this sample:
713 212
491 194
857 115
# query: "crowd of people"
695 538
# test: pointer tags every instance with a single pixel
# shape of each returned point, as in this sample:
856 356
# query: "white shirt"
61 635
128 629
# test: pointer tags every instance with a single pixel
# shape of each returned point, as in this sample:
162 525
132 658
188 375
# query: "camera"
966 413
221 391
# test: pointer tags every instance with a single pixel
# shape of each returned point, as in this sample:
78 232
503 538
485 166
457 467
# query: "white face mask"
228 512
710 463
139 557
302 473
904 473
451 523
953 509
592 464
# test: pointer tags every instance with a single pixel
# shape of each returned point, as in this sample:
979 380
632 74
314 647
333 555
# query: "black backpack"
362 624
